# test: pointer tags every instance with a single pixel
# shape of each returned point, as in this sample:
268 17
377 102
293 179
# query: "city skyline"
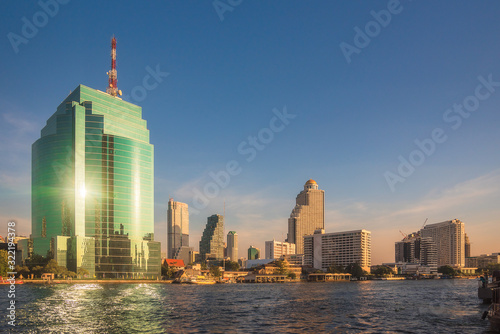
401 130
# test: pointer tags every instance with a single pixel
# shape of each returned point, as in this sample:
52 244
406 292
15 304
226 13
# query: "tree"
36 260
281 267
23 271
334 269
204 266
71 274
215 271
37 270
383 271
232 266
166 270
355 270
4 265
292 275
82 272
492 267
447 270
54 268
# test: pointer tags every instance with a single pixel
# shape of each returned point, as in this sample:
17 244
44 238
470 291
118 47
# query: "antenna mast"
113 81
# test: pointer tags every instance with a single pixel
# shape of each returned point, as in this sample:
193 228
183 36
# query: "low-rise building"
482 261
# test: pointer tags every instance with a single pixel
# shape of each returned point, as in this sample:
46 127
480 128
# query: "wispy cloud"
439 201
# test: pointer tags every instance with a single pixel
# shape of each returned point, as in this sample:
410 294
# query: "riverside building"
276 249
449 238
307 216
178 231
322 250
415 249
92 188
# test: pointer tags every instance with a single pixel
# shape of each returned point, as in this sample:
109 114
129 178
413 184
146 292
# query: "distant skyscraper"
467 246
232 245
212 240
307 216
93 188
253 253
322 250
178 231
275 249
449 238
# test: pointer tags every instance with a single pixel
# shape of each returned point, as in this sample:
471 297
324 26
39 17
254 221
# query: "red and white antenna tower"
113 81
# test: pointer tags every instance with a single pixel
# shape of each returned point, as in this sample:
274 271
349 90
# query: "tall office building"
276 249
307 216
449 239
253 253
467 246
92 188
212 240
232 245
322 250
178 231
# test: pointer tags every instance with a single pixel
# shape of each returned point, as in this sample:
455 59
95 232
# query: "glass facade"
212 240
93 177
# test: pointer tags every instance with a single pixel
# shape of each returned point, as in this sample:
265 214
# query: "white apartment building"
276 249
321 250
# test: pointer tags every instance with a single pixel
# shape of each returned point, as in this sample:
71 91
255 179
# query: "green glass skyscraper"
92 188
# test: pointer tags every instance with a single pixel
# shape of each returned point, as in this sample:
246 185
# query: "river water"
427 306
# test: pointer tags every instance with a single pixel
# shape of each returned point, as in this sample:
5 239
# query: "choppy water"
431 306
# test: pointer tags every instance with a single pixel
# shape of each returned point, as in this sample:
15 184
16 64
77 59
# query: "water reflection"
370 307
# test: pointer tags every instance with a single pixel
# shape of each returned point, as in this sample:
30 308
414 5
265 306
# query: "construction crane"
403 234
112 77
426 219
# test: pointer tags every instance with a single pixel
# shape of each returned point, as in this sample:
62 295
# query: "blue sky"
352 120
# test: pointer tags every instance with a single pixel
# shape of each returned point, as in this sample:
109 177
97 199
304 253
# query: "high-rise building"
92 187
253 253
449 239
178 231
467 246
307 216
322 250
415 249
212 240
276 249
232 245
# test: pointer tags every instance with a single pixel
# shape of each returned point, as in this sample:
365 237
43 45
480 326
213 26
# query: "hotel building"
276 249
449 239
307 216
322 250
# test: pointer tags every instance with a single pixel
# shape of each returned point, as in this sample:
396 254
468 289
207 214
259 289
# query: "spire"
113 81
